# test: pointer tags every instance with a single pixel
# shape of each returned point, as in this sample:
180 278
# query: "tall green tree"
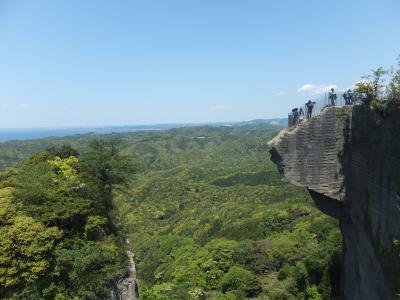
103 167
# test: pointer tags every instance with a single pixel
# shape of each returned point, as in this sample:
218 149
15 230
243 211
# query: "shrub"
94 227
238 278
312 293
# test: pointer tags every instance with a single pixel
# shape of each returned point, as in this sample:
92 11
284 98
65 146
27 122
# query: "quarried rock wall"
349 159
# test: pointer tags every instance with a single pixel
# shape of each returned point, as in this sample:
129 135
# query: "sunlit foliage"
56 237
207 214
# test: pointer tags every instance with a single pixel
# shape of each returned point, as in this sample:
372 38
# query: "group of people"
298 113
348 97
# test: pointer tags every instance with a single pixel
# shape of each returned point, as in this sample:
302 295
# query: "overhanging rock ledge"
349 160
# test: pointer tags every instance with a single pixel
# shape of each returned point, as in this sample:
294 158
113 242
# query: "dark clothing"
310 106
332 97
348 98
295 113
295 117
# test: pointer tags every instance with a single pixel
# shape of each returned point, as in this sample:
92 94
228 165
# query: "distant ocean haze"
38 133
27 134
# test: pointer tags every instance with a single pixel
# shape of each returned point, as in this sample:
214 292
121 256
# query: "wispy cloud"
315 89
306 88
220 107
21 106
281 93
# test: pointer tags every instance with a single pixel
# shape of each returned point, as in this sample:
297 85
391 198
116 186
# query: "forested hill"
209 218
13 152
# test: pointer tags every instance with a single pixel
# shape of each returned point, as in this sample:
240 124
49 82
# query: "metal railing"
322 102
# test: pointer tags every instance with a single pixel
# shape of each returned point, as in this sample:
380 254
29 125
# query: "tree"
63 151
378 79
50 190
8 207
394 86
103 167
26 245
54 244
87 268
25 251
373 84
238 278
312 293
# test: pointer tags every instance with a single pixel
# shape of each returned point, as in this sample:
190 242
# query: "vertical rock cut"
349 159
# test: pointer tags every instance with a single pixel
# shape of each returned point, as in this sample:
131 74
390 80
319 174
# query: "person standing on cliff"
301 115
295 113
332 96
310 106
348 97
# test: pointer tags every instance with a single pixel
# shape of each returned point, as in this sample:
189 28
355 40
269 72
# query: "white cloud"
281 93
306 88
220 107
315 89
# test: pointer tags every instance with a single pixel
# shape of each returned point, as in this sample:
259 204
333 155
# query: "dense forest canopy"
207 214
57 238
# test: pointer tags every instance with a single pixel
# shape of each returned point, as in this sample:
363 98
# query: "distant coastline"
38 133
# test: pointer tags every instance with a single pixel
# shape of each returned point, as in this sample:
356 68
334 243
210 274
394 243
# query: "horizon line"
130 125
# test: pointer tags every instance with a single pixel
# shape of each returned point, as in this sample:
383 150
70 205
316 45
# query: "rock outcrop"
349 159
126 288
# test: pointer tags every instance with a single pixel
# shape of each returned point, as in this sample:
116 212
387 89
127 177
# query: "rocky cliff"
349 159
126 288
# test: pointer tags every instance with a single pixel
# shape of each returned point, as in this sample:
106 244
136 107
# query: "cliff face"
126 288
349 159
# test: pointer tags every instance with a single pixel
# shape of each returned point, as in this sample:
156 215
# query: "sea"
38 133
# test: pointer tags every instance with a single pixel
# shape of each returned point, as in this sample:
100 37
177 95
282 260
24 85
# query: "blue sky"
98 62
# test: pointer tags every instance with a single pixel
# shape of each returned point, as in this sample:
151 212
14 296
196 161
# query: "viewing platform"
322 102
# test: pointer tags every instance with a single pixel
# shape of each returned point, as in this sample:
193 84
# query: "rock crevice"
126 288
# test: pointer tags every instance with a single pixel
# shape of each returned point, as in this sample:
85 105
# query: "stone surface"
126 288
309 154
349 159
